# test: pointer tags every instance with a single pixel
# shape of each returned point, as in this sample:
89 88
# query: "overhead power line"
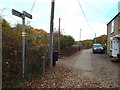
85 16
3 9
28 22
33 6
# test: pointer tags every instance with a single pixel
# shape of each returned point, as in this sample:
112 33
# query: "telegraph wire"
96 9
33 6
28 22
3 9
102 12
85 16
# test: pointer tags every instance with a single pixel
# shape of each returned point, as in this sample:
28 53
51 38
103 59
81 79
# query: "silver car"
98 48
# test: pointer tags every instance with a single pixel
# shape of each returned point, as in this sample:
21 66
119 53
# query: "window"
112 27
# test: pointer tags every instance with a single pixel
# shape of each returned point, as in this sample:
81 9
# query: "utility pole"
22 15
80 34
95 38
59 38
51 31
80 37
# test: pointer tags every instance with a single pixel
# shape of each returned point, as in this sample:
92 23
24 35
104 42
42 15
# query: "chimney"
118 6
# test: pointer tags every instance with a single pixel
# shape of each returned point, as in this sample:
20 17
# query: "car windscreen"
98 45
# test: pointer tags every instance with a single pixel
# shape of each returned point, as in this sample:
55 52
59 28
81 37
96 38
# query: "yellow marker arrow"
23 33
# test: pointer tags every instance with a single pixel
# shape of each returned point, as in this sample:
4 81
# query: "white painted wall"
115 49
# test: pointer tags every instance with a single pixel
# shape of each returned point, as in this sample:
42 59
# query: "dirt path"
82 70
82 61
94 66
62 76
104 68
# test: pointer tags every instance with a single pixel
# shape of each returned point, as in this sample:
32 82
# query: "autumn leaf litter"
62 76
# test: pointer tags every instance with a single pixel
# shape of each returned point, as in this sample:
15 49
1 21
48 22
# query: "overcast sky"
97 12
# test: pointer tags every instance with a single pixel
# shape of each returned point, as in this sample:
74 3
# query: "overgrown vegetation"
66 42
101 39
36 61
89 43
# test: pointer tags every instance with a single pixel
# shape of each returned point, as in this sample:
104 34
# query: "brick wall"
109 34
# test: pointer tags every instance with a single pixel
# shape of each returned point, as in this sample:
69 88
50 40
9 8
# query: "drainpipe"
107 41
119 34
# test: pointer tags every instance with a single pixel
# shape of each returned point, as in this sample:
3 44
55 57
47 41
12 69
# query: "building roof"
114 18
